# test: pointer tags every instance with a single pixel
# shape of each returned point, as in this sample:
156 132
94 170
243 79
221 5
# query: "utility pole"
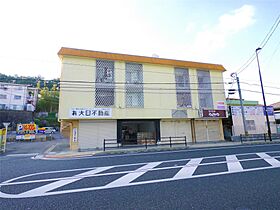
264 101
234 75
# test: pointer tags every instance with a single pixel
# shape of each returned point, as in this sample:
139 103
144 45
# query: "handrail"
146 142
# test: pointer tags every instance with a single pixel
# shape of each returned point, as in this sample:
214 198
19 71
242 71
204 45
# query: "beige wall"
157 103
260 122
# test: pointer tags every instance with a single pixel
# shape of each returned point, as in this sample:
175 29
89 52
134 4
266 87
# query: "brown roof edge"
64 51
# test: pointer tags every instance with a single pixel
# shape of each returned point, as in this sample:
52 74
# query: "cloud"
208 41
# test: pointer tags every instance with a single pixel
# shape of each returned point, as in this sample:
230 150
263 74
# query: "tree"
48 99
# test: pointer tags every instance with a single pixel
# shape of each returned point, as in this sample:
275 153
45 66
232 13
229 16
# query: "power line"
262 45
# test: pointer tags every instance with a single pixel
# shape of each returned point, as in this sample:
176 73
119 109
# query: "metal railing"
258 137
146 142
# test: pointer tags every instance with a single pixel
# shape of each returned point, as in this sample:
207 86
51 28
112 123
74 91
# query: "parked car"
47 130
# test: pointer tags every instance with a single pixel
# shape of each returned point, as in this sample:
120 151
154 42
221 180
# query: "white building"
17 97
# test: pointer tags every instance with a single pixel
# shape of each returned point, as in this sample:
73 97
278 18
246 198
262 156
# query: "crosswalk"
108 177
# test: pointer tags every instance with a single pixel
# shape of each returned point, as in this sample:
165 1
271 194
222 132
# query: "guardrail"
121 143
259 137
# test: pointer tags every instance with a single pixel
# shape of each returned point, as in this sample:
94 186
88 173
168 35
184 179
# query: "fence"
164 141
259 137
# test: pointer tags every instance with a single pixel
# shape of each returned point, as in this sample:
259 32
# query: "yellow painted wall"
218 89
157 103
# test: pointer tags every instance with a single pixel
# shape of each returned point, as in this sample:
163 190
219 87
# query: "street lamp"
264 101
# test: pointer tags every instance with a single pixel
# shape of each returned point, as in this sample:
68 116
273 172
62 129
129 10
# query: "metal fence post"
185 140
104 145
264 137
146 145
241 138
170 143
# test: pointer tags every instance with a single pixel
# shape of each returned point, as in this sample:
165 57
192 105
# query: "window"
204 89
2 106
3 96
184 98
104 88
17 97
134 85
250 124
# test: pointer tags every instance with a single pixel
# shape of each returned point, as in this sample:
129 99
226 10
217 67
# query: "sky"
225 32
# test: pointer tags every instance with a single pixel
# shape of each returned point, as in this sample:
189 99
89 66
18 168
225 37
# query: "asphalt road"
243 177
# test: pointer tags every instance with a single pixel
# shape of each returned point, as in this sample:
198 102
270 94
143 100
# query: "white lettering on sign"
90 113
214 114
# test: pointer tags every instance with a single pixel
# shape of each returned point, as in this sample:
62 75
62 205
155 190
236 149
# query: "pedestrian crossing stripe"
129 177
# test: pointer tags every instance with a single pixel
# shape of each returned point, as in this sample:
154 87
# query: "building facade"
17 97
255 118
129 98
276 107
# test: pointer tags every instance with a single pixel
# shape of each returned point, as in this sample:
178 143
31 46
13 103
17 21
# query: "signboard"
270 110
90 113
26 128
252 110
221 105
75 135
213 113
26 132
26 137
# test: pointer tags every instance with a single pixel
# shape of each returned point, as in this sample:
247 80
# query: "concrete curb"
75 154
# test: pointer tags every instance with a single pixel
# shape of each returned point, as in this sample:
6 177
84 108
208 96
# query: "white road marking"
233 163
188 169
57 184
132 176
185 172
270 160
22 155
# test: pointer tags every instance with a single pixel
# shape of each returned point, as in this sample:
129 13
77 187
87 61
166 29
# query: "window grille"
134 96
17 97
104 87
3 96
183 91
204 89
250 124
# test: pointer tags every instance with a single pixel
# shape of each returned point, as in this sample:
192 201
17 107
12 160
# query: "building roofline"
64 51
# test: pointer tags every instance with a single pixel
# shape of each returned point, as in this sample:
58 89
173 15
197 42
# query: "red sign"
212 113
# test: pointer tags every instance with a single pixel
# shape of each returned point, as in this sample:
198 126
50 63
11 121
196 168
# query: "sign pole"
5 138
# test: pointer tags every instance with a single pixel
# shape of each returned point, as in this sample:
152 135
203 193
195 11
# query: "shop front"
138 131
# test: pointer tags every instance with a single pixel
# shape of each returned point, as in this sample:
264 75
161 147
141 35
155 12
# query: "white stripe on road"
57 184
233 163
22 155
270 160
188 169
124 180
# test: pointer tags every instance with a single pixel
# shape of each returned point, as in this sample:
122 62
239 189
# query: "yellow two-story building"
130 98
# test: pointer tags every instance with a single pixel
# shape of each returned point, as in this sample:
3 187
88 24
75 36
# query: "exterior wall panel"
92 133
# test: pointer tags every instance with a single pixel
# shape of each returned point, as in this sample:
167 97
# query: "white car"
49 130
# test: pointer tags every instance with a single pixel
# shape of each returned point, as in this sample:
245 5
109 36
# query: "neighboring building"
17 97
276 107
254 116
129 98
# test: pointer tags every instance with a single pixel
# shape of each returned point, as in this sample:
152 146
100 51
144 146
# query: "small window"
17 97
3 96
251 126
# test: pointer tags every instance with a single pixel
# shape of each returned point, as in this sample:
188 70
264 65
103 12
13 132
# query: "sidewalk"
61 150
